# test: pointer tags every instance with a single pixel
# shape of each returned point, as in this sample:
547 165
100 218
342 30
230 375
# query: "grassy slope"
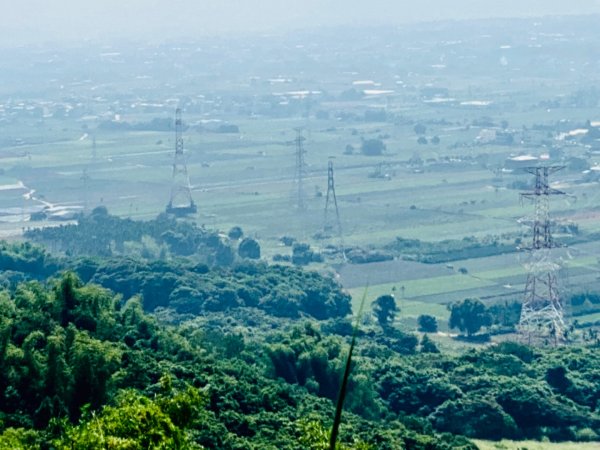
535 445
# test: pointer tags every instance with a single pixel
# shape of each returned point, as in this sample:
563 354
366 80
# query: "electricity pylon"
331 199
181 202
541 320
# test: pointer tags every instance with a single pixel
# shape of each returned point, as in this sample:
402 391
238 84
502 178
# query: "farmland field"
111 142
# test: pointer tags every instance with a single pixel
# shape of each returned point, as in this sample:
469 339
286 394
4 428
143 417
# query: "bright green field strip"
440 285
518 270
408 308
435 232
583 262
591 226
406 182
514 212
588 318
243 203
535 445
500 273
426 286
507 212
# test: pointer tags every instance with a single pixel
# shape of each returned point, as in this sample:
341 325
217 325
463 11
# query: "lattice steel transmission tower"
181 202
300 172
331 199
541 321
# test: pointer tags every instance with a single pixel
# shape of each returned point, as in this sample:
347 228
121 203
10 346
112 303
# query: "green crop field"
247 179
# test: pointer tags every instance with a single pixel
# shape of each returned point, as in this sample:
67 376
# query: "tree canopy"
385 309
372 147
251 357
469 316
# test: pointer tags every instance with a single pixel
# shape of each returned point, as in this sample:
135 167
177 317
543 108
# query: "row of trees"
451 249
469 315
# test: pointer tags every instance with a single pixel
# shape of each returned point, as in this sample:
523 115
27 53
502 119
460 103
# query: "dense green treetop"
251 357
83 370
385 309
186 286
469 316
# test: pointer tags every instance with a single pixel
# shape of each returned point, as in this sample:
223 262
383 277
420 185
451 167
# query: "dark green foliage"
428 346
427 323
409 391
476 417
58 356
533 406
302 254
26 258
227 128
191 288
420 128
522 352
136 422
584 303
333 440
310 360
449 249
362 256
92 362
398 341
249 248
385 309
223 256
506 315
105 235
580 298
557 378
82 369
500 392
235 233
469 316
372 147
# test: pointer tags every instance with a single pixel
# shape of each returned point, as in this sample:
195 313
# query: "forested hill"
100 234
185 286
82 370
85 368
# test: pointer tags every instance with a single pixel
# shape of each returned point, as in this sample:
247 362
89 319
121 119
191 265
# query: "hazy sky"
33 21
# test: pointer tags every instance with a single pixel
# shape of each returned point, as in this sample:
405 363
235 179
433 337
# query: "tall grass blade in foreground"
342 395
